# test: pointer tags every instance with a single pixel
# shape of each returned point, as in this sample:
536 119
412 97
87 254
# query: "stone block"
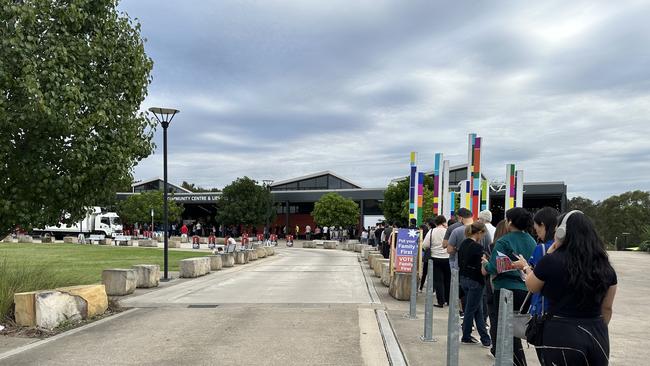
377 266
193 267
366 253
70 240
240 258
55 307
228 259
119 282
261 252
174 244
358 247
203 240
147 275
371 259
330 244
400 286
221 241
385 274
106 241
148 243
185 239
269 251
25 309
94 295
125 243
47 239
252 255
309 244
353 241
25 239
216 262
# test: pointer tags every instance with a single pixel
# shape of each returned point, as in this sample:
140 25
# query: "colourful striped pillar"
510 187
476 177
437 184
452 204
444 193
420 210
519 188
465 194
413 187
485 195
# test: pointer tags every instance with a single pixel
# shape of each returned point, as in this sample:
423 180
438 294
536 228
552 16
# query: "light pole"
164 117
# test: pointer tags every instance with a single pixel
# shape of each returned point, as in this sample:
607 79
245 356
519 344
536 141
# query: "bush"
22 278
645 246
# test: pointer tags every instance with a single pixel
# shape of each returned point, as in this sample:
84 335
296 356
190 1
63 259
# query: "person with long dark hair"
441 271
501 230
580 284
507 249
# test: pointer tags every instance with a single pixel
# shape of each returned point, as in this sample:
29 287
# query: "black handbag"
535 327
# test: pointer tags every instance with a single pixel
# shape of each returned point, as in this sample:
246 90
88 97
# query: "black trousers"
441 279
518 297
575 342
425 271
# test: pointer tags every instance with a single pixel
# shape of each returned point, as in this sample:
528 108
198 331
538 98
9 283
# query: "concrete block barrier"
94 295
400 286
269 251
378 266
371 259
46 239
261 252
70 240
367 251
228 259
240 258
147 275
358 247
309 244
194 267
330 244
216 262
119 282
147 243
25 239
385 273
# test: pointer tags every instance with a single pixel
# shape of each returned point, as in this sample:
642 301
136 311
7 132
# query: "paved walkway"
300 307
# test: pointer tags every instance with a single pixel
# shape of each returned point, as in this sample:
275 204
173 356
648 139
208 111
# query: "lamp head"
164 115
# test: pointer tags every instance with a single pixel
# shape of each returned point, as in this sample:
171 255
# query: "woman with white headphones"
580 284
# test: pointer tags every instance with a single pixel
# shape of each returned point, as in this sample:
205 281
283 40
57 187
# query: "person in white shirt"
485 217
441 271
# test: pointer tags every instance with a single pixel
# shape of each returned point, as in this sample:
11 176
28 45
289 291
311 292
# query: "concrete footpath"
299 307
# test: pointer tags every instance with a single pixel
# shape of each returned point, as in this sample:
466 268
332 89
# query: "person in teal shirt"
517 242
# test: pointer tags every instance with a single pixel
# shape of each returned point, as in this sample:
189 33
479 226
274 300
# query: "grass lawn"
84 263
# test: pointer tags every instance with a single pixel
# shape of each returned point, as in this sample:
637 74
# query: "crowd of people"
555 266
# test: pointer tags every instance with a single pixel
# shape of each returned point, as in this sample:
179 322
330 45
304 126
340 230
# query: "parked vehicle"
96 222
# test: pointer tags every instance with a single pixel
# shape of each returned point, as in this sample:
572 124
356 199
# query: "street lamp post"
164 117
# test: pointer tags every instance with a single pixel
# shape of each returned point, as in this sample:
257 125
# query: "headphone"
560 232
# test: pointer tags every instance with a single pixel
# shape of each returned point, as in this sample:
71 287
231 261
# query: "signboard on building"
195 198
406 249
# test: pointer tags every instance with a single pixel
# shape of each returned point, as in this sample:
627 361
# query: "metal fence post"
453 321
414 287
428 307
504 329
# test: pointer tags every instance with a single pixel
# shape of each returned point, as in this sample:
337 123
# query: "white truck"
96 222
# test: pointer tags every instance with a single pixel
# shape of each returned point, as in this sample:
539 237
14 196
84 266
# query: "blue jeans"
473 309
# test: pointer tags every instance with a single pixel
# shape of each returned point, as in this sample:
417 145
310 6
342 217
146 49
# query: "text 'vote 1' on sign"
406 249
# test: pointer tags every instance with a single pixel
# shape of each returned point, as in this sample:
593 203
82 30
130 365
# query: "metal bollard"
414 287
453 321
504 330
428 307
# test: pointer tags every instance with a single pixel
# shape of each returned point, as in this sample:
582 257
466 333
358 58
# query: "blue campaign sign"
406 248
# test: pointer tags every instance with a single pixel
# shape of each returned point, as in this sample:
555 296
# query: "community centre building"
295 197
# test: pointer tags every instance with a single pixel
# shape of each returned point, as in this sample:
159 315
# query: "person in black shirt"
472 282
580 284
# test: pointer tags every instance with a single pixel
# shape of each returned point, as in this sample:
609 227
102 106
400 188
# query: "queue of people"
555 266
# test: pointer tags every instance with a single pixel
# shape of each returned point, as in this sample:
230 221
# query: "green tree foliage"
244 202
194 188
72 77
624 213
396 198
137 208
332 209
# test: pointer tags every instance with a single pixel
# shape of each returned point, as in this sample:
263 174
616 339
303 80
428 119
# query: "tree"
427 206
244 202
625 213
394 206
332 209
194 188
137 208
72 77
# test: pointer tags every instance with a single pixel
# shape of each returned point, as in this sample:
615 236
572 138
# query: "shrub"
20 277
645 246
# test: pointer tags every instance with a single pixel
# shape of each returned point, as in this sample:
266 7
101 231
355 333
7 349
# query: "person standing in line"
326 232
501 230
184 231
297 231
441 269
580 284
385 244
485 217
378 233
307 232
473 283
516 242
371 236
364 236
463 216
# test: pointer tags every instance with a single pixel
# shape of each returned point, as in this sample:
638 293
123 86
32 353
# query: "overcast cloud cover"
278 89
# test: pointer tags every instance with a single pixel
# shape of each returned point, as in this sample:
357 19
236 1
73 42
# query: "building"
295 197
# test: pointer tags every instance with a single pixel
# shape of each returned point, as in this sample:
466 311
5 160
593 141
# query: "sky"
278 89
